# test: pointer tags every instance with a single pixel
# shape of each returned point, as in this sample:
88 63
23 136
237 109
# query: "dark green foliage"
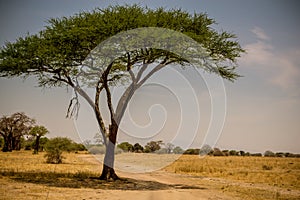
192 151
65 42
55 147
126 147
233 153
137 148
269 154
242 153
153 146
79 147
62 143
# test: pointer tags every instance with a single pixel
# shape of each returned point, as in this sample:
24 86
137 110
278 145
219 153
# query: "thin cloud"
281 69
260 33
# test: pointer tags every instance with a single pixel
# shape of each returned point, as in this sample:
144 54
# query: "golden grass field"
27 176
266 174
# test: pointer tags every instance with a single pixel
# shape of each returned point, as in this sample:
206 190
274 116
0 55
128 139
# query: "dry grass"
241 177
279 172
25 161
74 172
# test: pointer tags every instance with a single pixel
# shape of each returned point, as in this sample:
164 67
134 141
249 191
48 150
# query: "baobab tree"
12 128
108 47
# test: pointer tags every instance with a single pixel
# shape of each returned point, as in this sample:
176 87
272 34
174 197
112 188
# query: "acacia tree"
153 146
56 56
12 128
38 132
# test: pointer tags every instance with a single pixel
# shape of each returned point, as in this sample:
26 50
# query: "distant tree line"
207 150
159 147
151 147
19 131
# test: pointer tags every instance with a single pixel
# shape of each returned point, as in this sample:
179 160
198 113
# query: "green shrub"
55 147
126 147
54 156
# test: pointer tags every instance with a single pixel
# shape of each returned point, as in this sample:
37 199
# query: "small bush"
54 156
269 154
55 147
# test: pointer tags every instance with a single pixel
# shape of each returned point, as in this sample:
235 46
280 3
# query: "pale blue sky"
263 107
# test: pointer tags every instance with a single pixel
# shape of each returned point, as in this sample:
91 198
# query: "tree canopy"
55 53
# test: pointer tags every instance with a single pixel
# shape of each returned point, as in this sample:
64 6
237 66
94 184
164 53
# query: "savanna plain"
27 176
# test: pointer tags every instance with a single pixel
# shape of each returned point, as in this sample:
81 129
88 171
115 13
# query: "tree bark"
108 172
6 144
37 144
9 142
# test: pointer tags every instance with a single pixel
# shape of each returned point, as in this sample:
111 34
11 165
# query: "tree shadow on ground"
85 180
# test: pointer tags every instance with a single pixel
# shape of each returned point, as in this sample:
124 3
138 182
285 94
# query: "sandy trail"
185 187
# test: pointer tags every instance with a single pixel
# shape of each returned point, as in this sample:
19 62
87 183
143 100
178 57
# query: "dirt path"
184 187
195 187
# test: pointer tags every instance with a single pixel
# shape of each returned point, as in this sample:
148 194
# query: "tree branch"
109 103
140 73
129 68
156 69
123 101
98 113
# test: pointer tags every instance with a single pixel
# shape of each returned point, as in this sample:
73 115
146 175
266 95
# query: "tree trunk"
9 142
37 144
6 144
16 143
108 171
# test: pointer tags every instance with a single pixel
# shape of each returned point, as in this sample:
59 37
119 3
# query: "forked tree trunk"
108 171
